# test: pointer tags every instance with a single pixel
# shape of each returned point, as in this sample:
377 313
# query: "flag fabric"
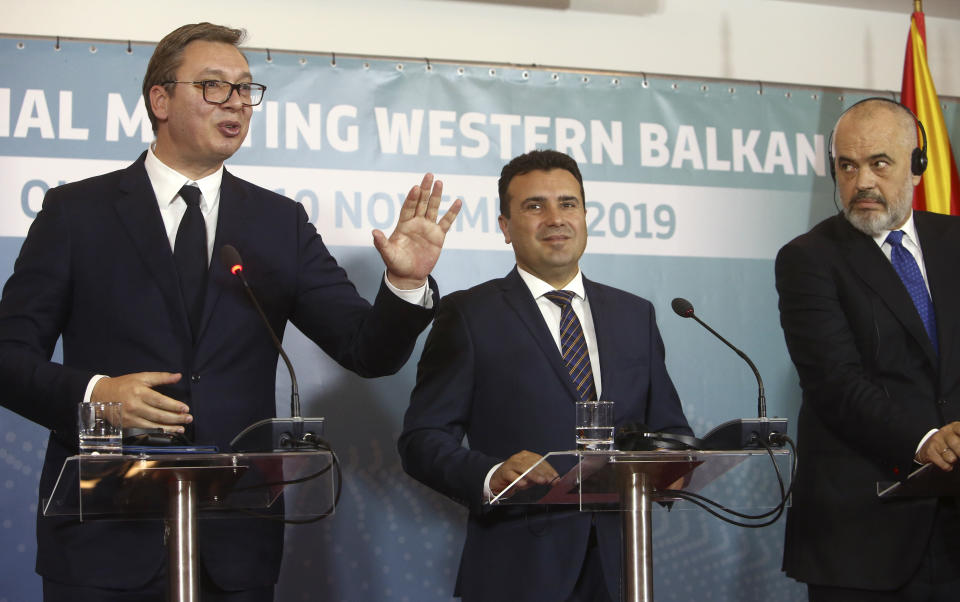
939 190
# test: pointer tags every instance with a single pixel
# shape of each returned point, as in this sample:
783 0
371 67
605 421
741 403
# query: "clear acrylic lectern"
630 482
179 487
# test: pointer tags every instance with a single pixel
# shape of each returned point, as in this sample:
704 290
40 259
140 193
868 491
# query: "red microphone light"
231 260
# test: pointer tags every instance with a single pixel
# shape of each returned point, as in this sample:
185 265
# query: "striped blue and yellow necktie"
573 345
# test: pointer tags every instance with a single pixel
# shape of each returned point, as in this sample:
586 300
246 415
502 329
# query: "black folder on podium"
925 481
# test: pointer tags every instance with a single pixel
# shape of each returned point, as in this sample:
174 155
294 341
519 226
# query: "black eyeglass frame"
233 88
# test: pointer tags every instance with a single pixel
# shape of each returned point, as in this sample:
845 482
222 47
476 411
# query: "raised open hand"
411 252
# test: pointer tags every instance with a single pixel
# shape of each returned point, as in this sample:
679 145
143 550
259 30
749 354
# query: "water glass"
594 425
101 427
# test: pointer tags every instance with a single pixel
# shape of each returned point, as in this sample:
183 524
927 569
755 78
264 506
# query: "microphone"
231 260
684 309
272 434
745 432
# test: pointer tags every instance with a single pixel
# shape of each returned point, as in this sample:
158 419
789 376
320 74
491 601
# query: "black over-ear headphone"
918 158
636 436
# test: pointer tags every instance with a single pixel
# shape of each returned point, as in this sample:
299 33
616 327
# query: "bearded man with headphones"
870 308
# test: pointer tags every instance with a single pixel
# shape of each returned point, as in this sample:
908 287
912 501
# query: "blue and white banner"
691 186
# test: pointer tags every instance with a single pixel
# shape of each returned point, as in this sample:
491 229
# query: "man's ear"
504 223
160 102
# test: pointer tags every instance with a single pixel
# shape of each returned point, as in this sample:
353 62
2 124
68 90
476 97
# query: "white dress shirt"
910 242
551 315
167 183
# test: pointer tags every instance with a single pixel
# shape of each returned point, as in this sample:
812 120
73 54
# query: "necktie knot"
561 298
190 195
895 238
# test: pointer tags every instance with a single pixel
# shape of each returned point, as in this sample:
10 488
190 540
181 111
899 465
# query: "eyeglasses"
218 92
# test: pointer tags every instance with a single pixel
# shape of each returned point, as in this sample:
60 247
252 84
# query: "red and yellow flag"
939 191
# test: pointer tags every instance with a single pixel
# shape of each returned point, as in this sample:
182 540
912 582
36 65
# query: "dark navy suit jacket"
873 386
492 372
97 269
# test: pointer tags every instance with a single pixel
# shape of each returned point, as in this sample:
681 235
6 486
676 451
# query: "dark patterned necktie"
190 254
573 345
909 272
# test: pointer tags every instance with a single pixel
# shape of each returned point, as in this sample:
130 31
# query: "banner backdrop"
691 186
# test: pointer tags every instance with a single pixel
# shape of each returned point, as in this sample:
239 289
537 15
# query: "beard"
872 222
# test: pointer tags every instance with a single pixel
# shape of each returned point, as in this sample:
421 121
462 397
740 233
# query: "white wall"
768 40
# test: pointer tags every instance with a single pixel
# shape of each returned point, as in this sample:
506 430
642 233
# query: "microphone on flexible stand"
273 434
739 433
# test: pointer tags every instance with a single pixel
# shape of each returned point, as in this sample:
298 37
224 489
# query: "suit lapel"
139 212
868 261
517 296
939 251
231 225
603 325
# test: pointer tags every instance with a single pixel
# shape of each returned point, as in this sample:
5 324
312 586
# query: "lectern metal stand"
183 488
630 482
636 495
182 541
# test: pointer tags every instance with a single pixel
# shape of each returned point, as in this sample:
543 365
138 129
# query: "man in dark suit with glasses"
120 267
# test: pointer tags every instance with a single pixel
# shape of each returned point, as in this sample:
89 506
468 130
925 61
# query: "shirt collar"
539 287
167 182
909 231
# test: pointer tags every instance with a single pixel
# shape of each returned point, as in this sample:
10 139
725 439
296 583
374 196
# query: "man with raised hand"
120 267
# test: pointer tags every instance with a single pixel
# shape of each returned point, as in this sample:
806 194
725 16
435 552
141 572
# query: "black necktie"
190 253
573 346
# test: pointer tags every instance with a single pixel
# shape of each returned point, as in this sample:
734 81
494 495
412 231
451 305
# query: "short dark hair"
168 55
537 160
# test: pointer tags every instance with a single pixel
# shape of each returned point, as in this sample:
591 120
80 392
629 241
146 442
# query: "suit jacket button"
194 378
942 402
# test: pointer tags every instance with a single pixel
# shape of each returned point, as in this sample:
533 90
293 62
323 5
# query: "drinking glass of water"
594 425
101 428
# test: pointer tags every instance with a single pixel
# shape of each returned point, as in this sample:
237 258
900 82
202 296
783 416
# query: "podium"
180 488
629 482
